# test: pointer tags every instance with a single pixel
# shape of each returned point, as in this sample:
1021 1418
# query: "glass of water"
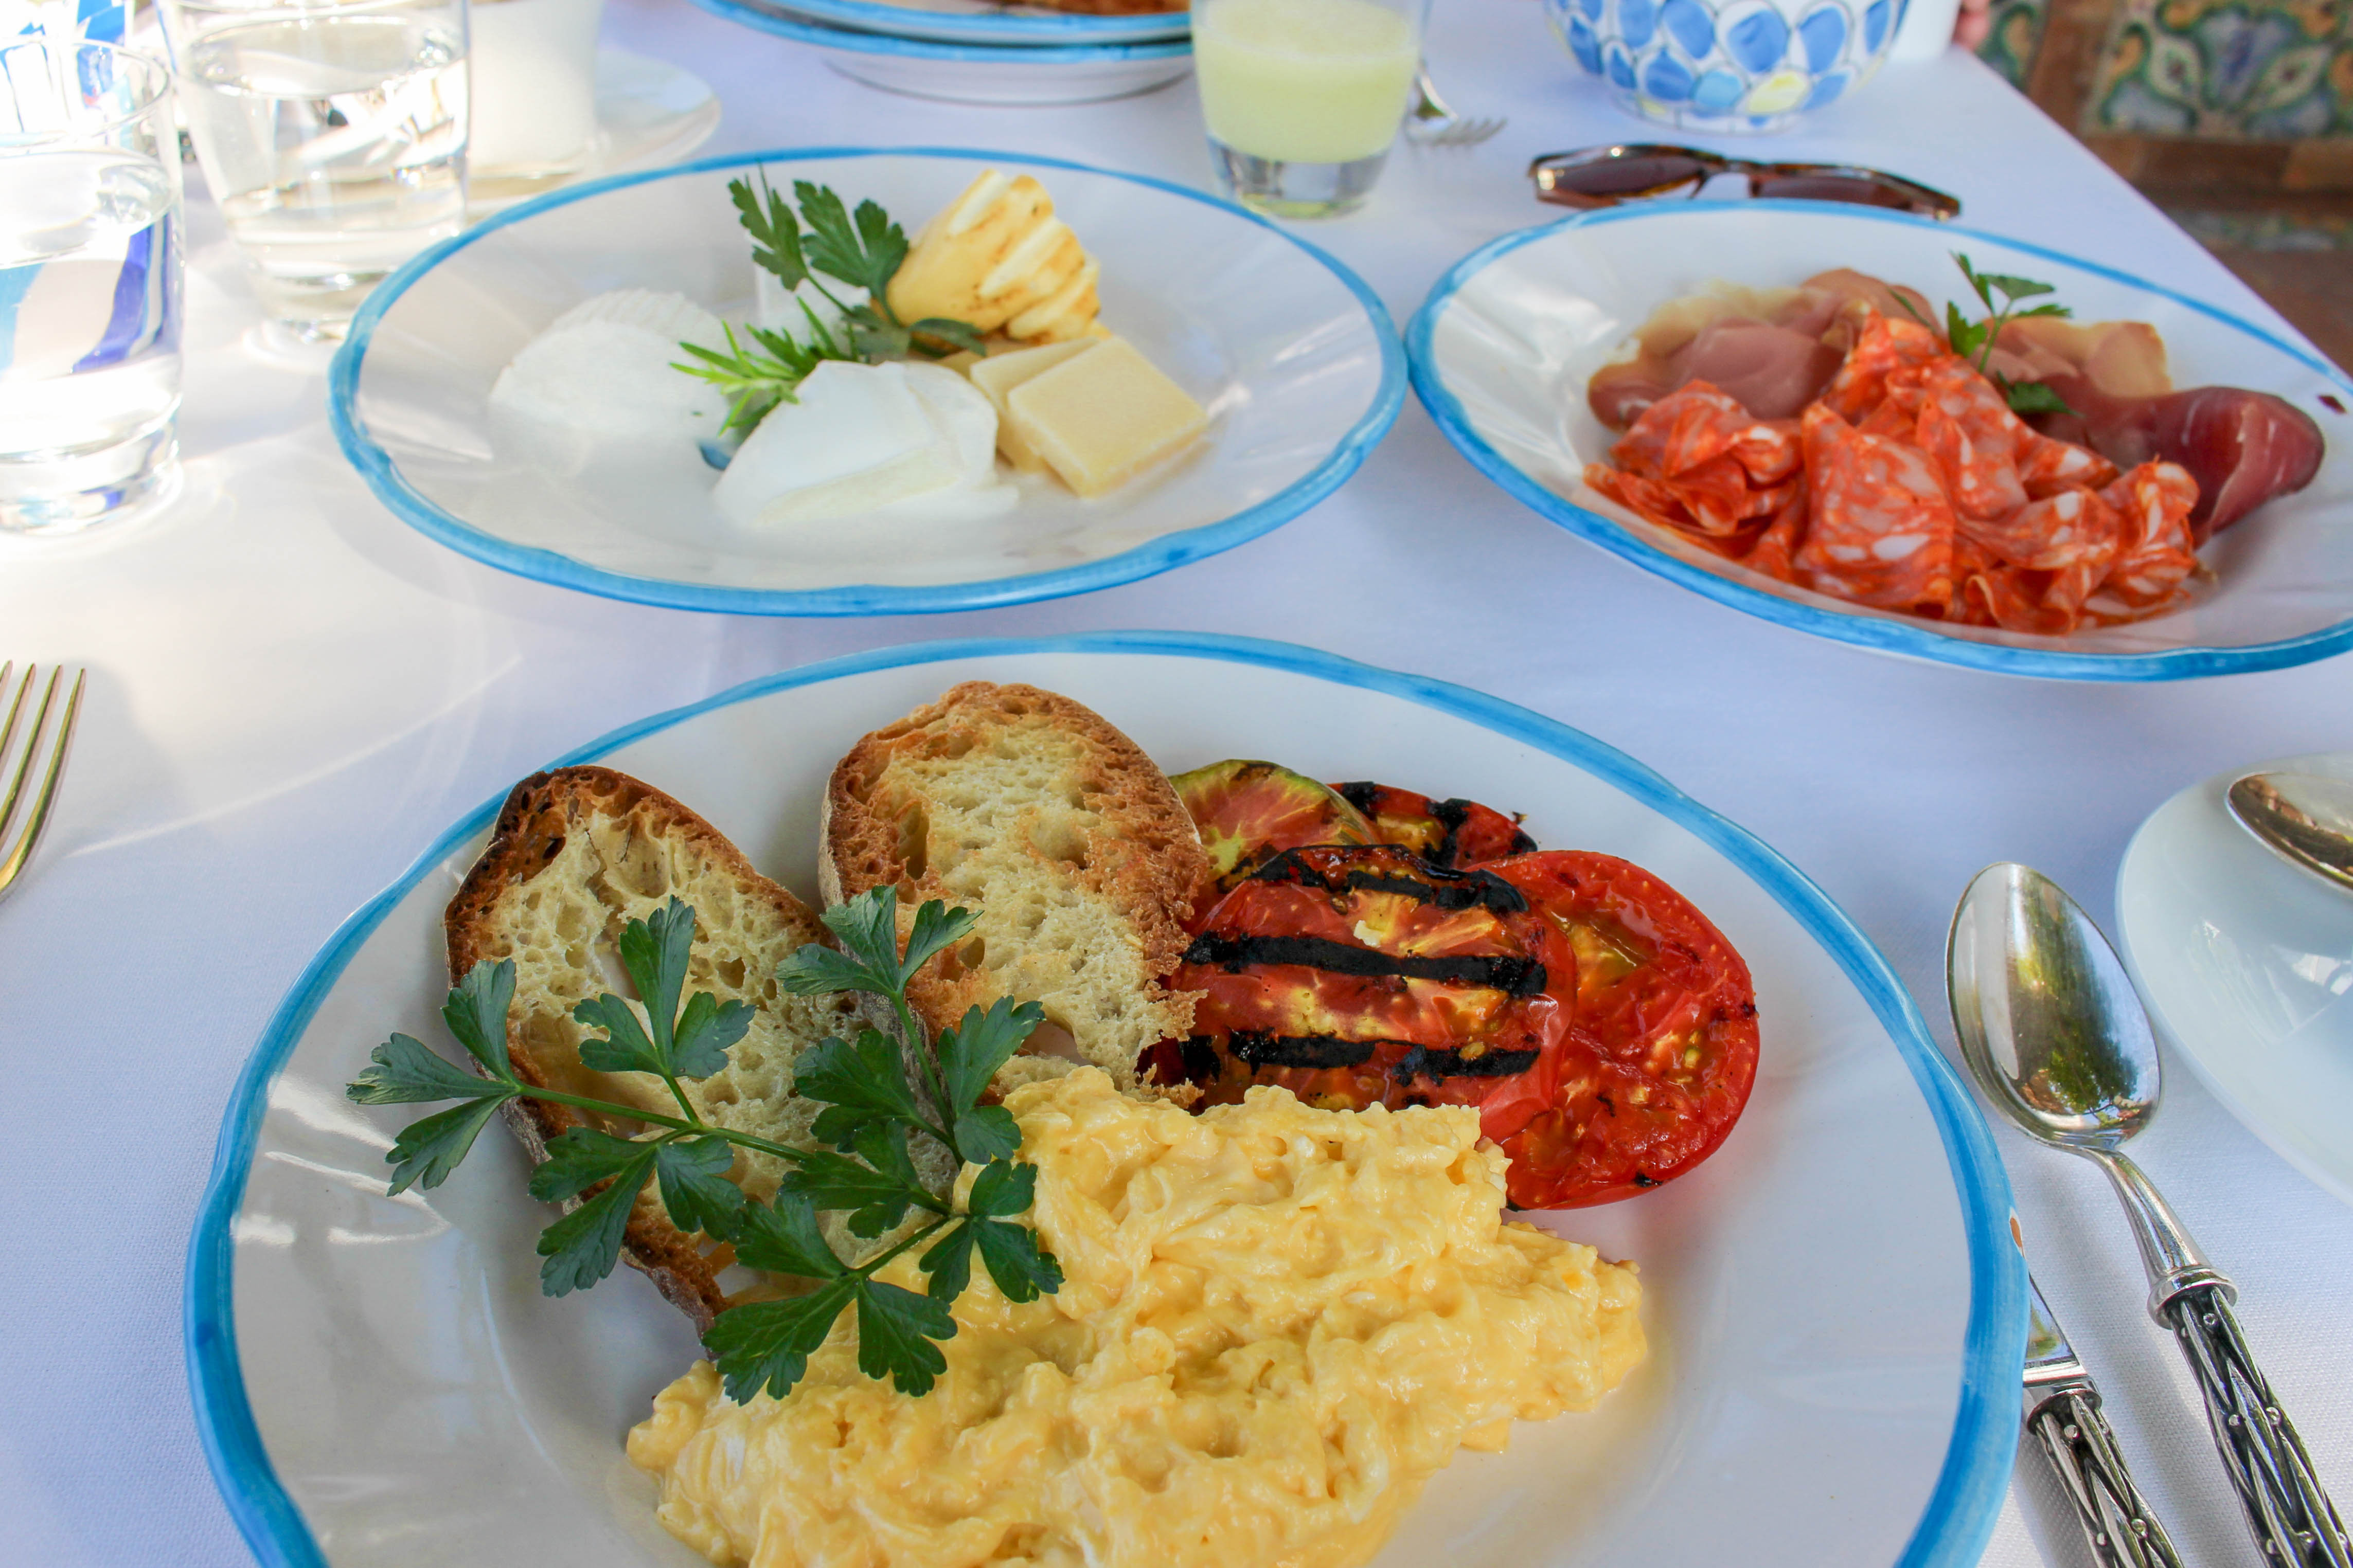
89 285
1303 97
333 137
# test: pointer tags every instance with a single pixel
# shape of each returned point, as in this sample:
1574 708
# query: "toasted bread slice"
576 855
1057 827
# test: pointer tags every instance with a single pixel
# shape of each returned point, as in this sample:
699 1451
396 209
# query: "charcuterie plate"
1503 348
995 22
1834 1302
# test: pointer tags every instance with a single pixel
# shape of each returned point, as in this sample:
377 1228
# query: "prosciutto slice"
2242 447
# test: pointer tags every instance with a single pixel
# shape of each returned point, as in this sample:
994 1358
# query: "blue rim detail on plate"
1914 639
411 506
1959 1516
996 27
753 14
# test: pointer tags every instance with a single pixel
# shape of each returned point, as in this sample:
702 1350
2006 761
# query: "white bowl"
1504 347
2245 963
1291 353
1834 1303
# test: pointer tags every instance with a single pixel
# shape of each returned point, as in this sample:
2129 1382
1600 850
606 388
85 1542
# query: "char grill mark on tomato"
1363 976
1452 834
1512 975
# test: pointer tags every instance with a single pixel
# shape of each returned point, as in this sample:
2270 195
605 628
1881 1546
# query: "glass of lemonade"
1303 97
89 285
332 132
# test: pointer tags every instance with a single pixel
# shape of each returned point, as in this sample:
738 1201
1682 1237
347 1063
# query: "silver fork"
1432 125
60 740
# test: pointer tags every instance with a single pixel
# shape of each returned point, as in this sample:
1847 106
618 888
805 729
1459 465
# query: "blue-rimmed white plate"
1834 1302
1506 342
996 22
1049 69
1292 354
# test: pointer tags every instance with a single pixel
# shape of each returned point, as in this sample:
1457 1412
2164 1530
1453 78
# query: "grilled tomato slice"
1251 812
1664 1051
1449 833
1357 976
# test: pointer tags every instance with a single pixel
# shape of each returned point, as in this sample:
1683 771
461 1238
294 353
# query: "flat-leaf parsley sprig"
862 249
871 1111
1975 341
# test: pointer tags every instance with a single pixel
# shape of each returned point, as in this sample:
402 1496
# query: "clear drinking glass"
89 284
1303 97
333 136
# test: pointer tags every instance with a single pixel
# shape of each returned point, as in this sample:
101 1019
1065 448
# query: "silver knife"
2063 1411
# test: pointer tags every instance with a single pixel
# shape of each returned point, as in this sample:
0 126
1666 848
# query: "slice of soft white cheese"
965 425
899 443
602 372
857 438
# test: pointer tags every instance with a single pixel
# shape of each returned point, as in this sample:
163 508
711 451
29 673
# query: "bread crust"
1149 865
540 814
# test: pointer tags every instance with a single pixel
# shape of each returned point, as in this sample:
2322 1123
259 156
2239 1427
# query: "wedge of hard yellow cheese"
1095 412
998 258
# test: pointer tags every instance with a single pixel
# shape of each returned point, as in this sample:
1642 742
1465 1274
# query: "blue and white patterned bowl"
1727 65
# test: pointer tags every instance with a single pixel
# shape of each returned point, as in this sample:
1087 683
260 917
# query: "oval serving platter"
1505 345
1291 353
1835 1307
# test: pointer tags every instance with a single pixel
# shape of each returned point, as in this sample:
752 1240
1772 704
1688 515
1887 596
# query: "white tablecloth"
292 693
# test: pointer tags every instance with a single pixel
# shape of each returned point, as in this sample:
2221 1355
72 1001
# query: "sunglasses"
1594 177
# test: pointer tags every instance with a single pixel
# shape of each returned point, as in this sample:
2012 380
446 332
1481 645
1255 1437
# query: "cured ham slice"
2240 447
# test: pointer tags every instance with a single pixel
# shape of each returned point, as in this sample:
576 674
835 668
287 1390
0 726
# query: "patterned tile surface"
2263 69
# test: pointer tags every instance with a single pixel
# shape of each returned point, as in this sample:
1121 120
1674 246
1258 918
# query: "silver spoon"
2053 1031
2307 819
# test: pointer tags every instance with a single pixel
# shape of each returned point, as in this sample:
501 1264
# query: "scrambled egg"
1276 1323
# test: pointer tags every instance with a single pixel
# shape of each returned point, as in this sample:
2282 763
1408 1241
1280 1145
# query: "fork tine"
47 798
8 734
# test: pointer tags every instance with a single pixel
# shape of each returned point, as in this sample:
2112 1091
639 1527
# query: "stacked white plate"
980 51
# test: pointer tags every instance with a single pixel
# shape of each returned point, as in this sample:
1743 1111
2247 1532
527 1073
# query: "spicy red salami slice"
1880 530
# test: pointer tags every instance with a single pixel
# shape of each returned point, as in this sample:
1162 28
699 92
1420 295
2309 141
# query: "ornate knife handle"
2292 1518
2115 1518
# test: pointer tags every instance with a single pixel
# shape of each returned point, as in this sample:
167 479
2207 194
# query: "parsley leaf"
857 1082
706 1029
949 1262
1976 342
582 1247
625 1047
1022 1270
577 1159
765 1346
404 1071
936 928
476 1013
1002 1190
971 1053
691 1175
865 253
2031 397
877 1199
783 1238
777 238
895 1331
428 1149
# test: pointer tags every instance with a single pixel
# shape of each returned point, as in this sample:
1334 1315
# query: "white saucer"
648 111
2246 965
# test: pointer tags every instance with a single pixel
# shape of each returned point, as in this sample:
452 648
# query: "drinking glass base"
1282 189
49 495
